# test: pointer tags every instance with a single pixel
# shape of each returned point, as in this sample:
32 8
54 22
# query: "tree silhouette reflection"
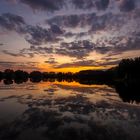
128 92
8 82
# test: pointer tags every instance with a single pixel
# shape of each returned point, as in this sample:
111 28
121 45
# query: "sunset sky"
68 35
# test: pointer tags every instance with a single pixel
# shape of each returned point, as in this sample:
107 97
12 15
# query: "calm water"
62 110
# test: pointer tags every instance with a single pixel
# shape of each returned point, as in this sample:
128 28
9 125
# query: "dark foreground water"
67 111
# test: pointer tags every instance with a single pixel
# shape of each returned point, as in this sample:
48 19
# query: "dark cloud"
111 22
56 30
37 50
81 34
81 49
59 28
102 4
6 63
94 22
131 44
21 53
52 61
88 63
117 47
55 5
72 20
110 62
13 54
30 52
85 63
12 22
70 34
50 5
83 4
37 35
127 5
1 44
103 50
18 65
78 49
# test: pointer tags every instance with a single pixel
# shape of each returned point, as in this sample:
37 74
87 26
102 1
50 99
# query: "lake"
67 110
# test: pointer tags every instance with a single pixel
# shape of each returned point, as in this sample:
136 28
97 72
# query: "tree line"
125 78
126 70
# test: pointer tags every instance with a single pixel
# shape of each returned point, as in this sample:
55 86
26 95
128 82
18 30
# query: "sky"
68 35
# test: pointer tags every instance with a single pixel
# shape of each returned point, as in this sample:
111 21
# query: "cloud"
102 4
118 45
37 35
31 52
92 20
49 5
37 50
82 48
89 63
12 22
52 61
56 5
72 20
131 44
85 63
21 53
127 5
110 62
18 65
6 63
1 44
95 31
56 29
13 54
83 4
103 50
78 49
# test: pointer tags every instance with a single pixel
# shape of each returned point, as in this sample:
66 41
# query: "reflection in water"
68 110
8 82
129 92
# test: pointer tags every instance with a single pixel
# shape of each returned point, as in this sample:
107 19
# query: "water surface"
66 110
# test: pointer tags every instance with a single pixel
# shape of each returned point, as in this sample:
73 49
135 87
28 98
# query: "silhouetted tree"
19 74
8 74
1 75
36 76
129 69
